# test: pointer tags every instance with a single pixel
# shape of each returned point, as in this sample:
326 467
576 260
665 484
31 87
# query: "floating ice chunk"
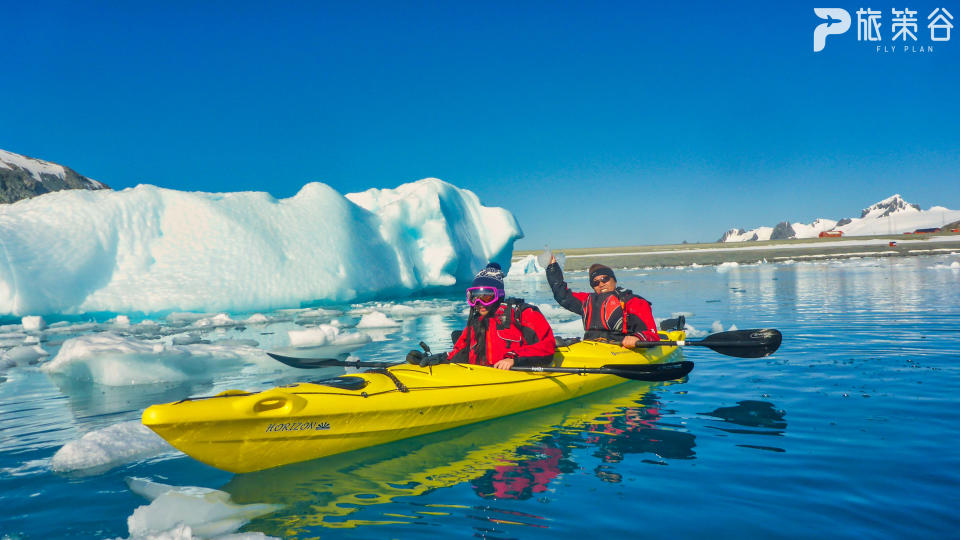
183 319
375 319
693 332
24 355
115 360
318 313
257 318
189 338
121 320
955 265
217 321
188 512
415 308
718 327
68 328
33 323
324 340
321 335
108 447
727 266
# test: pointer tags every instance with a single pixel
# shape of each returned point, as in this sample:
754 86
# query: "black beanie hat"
491 276
600 270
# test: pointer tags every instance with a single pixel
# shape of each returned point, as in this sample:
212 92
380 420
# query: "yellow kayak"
242 432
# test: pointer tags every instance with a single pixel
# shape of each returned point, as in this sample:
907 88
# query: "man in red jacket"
605 310
501 332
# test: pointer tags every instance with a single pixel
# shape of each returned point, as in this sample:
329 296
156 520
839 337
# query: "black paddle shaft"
637 372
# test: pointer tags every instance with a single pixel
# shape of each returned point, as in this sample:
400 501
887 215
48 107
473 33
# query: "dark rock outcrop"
23 177
782 231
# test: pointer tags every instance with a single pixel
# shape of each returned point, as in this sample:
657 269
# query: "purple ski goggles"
483 295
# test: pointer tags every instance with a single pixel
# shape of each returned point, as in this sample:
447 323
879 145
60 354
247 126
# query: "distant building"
927 231
831 234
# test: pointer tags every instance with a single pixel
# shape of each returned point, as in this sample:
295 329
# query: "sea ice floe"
375 319
23 355
33 323
257 318
219 320
692 332
402 310
727 266
105 448
322 341
114 360
189 512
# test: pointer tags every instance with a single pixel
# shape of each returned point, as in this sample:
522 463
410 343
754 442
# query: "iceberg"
151 250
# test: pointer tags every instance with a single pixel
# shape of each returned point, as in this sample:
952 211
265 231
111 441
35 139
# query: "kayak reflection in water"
536 467
604 310
613 435
501 332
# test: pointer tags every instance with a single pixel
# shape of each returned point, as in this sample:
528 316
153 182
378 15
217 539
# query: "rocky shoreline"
905 245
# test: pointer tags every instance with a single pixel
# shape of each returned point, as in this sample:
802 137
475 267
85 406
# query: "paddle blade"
650 372
306 363
755 343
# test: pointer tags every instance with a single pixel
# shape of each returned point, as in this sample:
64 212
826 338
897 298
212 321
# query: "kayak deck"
243 432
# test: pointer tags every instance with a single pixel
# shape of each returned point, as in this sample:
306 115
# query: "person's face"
482 298
603 284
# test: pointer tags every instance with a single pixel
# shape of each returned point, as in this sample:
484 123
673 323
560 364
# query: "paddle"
314 363
637 372
755 343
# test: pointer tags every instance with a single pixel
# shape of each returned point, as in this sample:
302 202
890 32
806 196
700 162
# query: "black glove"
432 359
414 357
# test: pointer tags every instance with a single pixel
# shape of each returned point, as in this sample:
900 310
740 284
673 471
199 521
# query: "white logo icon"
838 22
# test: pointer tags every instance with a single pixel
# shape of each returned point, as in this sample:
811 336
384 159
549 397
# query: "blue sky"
595 123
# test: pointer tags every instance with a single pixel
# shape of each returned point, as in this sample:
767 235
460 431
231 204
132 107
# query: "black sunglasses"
599 280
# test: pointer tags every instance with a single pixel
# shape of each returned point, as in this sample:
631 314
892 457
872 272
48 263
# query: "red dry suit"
603 313
515 330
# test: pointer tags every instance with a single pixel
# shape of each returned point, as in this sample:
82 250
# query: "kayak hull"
244 432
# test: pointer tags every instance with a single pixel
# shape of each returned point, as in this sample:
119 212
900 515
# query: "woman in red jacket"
501 332
604 310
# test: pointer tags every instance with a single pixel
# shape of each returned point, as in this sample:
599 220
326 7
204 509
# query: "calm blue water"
848 431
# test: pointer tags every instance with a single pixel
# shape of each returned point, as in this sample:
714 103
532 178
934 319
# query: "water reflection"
91 401
515 458
752 414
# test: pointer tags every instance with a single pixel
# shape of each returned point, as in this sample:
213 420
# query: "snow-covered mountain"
23 177
892 215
